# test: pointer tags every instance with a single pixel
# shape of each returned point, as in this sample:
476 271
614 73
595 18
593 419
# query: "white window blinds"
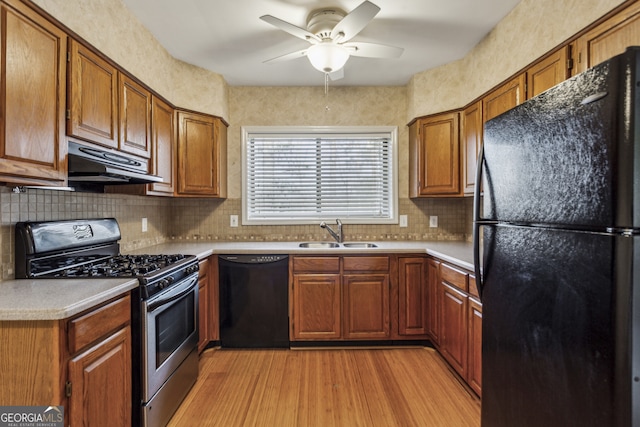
296 177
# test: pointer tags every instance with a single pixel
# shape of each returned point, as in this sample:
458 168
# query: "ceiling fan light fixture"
327 57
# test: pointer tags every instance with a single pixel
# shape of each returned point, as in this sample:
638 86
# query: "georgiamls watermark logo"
31 416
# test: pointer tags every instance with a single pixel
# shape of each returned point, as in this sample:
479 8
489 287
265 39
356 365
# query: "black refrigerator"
557 247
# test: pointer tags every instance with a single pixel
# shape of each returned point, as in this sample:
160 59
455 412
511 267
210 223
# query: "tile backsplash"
208 220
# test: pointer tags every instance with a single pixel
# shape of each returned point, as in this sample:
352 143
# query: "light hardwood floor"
328 387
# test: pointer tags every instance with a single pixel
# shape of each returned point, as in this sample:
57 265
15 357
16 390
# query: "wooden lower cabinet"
100 395
474 371
433 300
82 363
455 320
340 298
316 307
204 306
413 299
453 341
208 310
366 306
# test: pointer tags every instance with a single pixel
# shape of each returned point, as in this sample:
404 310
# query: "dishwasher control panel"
253 259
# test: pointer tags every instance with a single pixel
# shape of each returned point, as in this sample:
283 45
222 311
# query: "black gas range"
89 248
164 311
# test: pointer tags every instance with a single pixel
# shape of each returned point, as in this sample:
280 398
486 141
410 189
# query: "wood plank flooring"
327 387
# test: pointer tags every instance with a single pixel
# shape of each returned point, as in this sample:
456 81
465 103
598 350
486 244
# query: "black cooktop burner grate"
102 265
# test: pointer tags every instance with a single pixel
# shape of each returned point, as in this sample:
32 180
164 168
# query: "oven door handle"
174 294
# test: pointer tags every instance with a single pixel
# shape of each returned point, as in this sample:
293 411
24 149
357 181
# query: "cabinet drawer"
454 276
90 327
371 263
203 268
316 264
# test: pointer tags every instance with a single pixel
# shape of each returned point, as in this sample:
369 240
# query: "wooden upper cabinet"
548 72
504 97
33 68
202 160
93 97
163 146
434 149
471 142
608 39
135 117
105 106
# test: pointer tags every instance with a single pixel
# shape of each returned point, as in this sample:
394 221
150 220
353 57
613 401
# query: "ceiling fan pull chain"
326 91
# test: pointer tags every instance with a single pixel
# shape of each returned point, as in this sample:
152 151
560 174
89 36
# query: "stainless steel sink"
360 245
319 245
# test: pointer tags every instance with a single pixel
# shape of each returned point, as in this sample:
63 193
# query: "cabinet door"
93 97
366 306
453 339
203 304
32 145
433 300
163 148
135 117
474 374
317 307
201 155
609 38
504 98
548 72
101 383
437 153
471 137
412 296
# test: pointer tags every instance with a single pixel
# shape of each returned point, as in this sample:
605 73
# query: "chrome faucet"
338 235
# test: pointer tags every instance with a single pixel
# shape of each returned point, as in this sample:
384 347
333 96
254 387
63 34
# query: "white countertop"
53 299
455 252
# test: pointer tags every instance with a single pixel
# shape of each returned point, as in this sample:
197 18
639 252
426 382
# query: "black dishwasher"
254 301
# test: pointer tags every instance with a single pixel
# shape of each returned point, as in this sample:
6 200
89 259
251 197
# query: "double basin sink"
328 245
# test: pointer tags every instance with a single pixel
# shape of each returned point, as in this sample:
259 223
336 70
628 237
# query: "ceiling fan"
329 31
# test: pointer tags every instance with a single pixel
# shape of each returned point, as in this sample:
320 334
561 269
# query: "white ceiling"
227 37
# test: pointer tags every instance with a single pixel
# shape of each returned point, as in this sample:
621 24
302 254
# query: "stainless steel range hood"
90 164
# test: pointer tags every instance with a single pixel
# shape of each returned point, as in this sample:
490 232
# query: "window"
294 175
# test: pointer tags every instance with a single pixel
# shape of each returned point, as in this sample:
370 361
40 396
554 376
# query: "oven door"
170 332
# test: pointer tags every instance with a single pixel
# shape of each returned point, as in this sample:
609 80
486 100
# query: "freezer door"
557 318
567 157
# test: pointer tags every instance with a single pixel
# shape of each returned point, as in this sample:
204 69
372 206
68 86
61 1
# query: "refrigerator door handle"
477 221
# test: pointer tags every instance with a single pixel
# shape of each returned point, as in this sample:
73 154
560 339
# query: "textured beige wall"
529 31
110 27
309 106
533 28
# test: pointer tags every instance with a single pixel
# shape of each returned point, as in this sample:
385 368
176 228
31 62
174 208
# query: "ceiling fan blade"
291 29
288 56
354 22
337 75
373 50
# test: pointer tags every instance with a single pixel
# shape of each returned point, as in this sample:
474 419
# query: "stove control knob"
163 283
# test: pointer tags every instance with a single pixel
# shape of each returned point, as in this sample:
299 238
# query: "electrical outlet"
404 222
144 225
233 220
433 221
